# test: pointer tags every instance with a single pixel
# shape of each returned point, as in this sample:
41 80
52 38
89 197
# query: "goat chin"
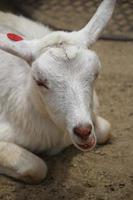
87 145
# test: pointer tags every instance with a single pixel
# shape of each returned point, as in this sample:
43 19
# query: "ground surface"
107 172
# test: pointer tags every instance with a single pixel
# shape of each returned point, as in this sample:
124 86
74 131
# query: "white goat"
47 98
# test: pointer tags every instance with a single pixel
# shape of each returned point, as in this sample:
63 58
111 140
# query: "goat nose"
83 132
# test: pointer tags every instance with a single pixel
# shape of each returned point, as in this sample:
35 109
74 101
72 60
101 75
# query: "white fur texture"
42 118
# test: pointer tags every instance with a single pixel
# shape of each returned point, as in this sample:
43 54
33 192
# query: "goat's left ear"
17 45
90 33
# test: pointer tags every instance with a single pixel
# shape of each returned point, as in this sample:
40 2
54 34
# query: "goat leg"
21 164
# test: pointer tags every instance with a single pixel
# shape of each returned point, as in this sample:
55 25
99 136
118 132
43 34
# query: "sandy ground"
107 172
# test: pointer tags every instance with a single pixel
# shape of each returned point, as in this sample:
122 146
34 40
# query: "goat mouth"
88 145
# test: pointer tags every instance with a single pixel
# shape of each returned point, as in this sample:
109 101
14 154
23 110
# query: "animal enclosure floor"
107 172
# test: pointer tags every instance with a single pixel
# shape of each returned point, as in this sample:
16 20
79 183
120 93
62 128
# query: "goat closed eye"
93 76
96 75
42 83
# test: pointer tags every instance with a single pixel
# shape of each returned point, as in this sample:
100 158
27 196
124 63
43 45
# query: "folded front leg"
21 164
102 130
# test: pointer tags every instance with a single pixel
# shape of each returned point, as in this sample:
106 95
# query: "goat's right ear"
17 45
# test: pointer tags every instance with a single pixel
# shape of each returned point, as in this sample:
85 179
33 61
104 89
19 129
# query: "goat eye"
96 75
42 83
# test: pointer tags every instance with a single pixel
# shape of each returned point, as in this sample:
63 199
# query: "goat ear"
16 45
89 34
29 50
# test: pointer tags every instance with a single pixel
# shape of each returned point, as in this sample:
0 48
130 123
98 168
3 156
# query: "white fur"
36 118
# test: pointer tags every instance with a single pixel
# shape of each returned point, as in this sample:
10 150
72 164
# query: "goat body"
47 96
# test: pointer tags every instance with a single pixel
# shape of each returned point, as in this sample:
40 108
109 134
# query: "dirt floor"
107 172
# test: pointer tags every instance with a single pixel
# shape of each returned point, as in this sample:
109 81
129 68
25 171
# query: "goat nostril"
83 132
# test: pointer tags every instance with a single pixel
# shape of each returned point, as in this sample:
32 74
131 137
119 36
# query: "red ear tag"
14 37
